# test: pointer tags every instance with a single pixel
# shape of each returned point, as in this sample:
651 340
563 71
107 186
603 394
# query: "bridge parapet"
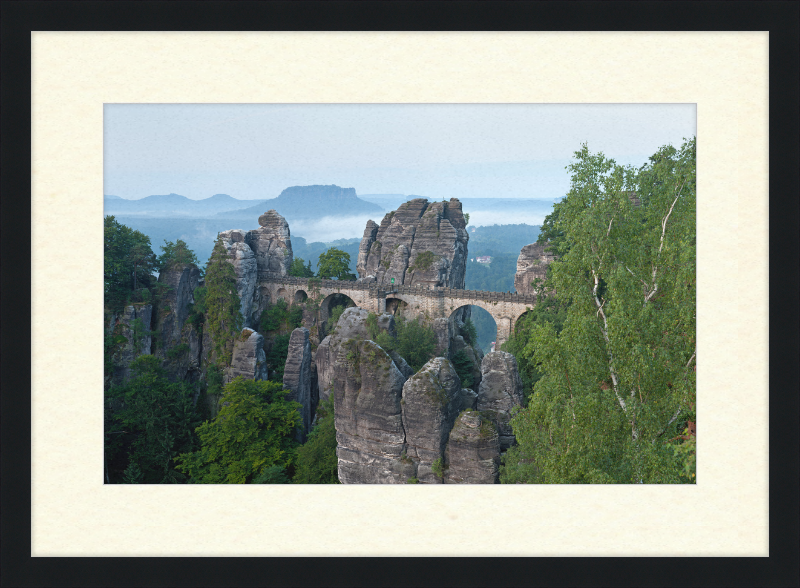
416 290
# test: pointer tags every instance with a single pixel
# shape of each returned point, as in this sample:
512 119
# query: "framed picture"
78 66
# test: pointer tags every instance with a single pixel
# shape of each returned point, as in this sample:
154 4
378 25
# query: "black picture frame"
781 19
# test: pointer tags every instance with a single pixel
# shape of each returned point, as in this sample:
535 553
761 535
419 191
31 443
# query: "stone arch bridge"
433 302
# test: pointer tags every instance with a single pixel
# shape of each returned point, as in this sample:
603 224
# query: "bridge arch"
326 308
485 325
281 293
396 306
299 297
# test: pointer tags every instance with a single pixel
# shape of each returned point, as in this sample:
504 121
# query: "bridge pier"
503 331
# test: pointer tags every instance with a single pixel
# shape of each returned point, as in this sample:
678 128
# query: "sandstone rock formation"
249 359
173 310
531 265
133 324
351 325
473 451
267 249
368 389
297 377
419 243
272 244
500 391
431 402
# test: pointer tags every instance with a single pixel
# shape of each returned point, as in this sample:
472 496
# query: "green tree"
161 417
415 342
618 379
177 253
334 263
128 262
253 431
316 459
298 270
223 317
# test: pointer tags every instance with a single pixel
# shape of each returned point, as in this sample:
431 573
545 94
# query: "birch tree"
618 381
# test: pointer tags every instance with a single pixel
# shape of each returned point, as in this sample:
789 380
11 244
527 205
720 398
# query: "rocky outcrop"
271 244
368 389
179 342
431 402
419 243
133 324
531 265
249 359
352 325
499 392
473 451
244 262
297 378
469 399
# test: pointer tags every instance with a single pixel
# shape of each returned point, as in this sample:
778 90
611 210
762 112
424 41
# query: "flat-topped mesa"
532 264
420 243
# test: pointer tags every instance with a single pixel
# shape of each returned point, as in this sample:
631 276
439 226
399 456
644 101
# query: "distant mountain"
172 205
309 201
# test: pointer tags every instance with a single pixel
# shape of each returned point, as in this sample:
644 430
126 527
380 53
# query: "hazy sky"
254 151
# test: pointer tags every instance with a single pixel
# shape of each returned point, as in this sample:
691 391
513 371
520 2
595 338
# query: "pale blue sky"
254 151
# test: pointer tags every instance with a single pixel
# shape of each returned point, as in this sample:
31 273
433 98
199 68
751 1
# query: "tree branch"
661 244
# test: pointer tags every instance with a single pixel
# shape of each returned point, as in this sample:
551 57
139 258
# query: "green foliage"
336 314
272 475
133 473
298 270
618 376
372 325
223 318
686 456
412 481
466 218
469 332
423 261
276 357
550 311
128 262
316 459
280 317
463 366
197 309
415 342
335 263
175 253
161 417
253 431
178 351
437 467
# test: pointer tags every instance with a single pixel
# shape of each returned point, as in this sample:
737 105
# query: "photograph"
430 293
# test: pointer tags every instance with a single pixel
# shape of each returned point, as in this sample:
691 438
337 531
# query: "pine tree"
223 318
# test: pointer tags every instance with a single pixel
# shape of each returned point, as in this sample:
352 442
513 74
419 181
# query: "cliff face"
134 325
473 451
531 265
419 243
171 326
499 392
368 416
